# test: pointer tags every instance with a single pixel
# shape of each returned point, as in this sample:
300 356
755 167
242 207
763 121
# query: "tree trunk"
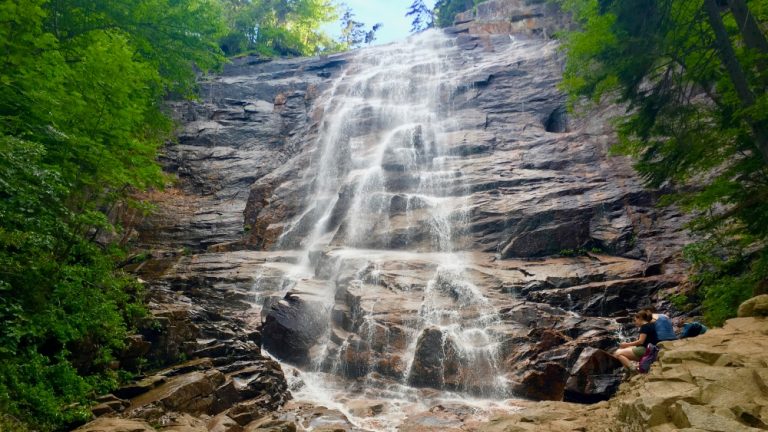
753 37
736 73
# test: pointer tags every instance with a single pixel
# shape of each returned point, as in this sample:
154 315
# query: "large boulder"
435 360
295 324
595 376
545 382
756 306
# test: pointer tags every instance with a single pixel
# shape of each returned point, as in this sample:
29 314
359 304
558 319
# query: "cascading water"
384 188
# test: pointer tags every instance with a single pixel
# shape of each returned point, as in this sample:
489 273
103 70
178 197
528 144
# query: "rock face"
716 381
397 222
533 17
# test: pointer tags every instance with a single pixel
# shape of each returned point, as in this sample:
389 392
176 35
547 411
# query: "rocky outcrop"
532 17
233 391
713 382
716 381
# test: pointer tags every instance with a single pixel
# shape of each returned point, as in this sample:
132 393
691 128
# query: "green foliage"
277 27
726 279
422 16
679 301
692 124
445 11
579 252
81 90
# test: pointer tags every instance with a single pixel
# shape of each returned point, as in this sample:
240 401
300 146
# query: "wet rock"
366 408
434 360
191 393
248 411
605 298
595 376
538 237
264 377
294 325
355 358
546 382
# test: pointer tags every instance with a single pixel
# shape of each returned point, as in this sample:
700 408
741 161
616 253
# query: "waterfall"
383 187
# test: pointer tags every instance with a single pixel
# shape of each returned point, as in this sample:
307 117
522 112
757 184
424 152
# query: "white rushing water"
384 184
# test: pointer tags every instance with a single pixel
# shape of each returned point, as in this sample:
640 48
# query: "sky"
391 13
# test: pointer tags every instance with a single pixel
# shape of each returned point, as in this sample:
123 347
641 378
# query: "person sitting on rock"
630 352
663 325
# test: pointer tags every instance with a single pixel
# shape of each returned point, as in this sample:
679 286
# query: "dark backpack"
651 353
693 329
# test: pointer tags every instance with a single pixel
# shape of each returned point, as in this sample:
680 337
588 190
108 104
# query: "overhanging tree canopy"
692 75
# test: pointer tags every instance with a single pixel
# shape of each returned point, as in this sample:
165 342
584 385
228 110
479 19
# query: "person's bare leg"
626 356
625 361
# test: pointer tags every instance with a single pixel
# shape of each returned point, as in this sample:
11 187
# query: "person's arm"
639 342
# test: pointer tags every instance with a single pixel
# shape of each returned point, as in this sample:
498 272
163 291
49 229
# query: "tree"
445 11
691 75
423 17
277 27
353 32
82 85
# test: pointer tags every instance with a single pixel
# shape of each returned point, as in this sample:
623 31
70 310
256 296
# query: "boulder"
595 376
756 306
294 325
248 411
546 382
434 361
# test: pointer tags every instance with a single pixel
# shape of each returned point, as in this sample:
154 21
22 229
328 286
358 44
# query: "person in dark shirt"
630 352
